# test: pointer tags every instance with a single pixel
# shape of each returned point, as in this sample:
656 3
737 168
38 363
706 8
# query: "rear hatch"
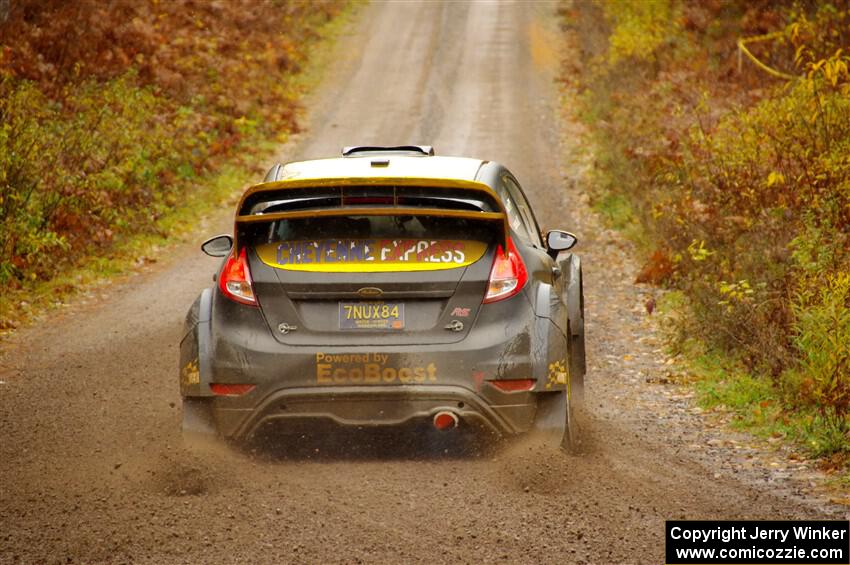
371 265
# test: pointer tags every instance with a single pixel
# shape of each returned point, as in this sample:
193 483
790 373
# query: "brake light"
513 385
235 279
508 275
224 389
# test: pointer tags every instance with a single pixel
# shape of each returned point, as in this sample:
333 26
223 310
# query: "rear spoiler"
251 211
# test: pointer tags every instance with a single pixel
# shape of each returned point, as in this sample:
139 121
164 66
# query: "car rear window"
371 243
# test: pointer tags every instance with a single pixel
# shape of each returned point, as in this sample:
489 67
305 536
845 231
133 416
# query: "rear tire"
573 395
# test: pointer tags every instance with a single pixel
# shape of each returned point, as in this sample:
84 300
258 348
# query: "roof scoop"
359 150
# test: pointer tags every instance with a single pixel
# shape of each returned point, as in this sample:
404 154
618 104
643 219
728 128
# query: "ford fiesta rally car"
386 287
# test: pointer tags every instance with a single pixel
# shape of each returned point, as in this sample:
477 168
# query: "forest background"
122 121
720 137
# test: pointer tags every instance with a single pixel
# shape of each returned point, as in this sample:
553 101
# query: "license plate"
371 315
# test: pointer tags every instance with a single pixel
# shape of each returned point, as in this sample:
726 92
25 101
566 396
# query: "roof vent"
355 150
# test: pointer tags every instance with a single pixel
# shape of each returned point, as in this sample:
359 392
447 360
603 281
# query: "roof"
391 166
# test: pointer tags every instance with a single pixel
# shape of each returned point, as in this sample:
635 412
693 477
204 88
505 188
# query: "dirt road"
92 467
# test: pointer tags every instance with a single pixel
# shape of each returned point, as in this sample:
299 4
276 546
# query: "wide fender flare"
195 348
575 296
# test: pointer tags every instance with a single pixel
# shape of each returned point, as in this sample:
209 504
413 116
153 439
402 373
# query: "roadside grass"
615 208
202 195
723 385
617 213
756 405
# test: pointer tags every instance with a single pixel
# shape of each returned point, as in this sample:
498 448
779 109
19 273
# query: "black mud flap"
198 425
553 423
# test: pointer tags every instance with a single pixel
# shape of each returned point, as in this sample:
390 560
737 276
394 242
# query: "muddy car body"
383 288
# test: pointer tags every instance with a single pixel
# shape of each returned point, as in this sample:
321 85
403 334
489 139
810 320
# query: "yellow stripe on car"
371 255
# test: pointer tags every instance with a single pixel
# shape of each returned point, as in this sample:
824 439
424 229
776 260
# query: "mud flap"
198 423
553 423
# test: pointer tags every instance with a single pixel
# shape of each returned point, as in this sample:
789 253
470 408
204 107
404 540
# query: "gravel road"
92 467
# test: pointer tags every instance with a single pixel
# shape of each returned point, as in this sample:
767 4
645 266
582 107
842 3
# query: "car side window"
524 211
515 218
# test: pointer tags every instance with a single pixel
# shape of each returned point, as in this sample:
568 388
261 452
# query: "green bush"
639 28
822 338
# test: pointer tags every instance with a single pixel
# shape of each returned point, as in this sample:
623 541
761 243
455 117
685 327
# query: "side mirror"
557 240
217 246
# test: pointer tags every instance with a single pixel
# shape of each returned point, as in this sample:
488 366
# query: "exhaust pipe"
445 420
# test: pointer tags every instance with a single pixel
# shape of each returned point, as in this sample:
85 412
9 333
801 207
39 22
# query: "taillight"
513 385
235 279
508 275
224 389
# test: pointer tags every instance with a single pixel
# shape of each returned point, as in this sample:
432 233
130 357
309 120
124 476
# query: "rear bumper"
300 410
304 387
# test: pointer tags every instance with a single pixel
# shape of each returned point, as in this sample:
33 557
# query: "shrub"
822 338
740 182
74 171
109 112
751 188
639 29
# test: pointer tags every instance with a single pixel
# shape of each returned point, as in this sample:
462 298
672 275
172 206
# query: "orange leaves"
131 101
164 40
657 270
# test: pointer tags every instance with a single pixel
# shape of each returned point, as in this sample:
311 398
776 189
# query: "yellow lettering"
369 369
371 373
419 374
323 373
389 375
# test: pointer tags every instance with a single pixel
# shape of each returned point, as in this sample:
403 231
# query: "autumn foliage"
740 177
110 111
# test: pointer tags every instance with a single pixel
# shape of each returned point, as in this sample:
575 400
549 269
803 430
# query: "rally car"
386 287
